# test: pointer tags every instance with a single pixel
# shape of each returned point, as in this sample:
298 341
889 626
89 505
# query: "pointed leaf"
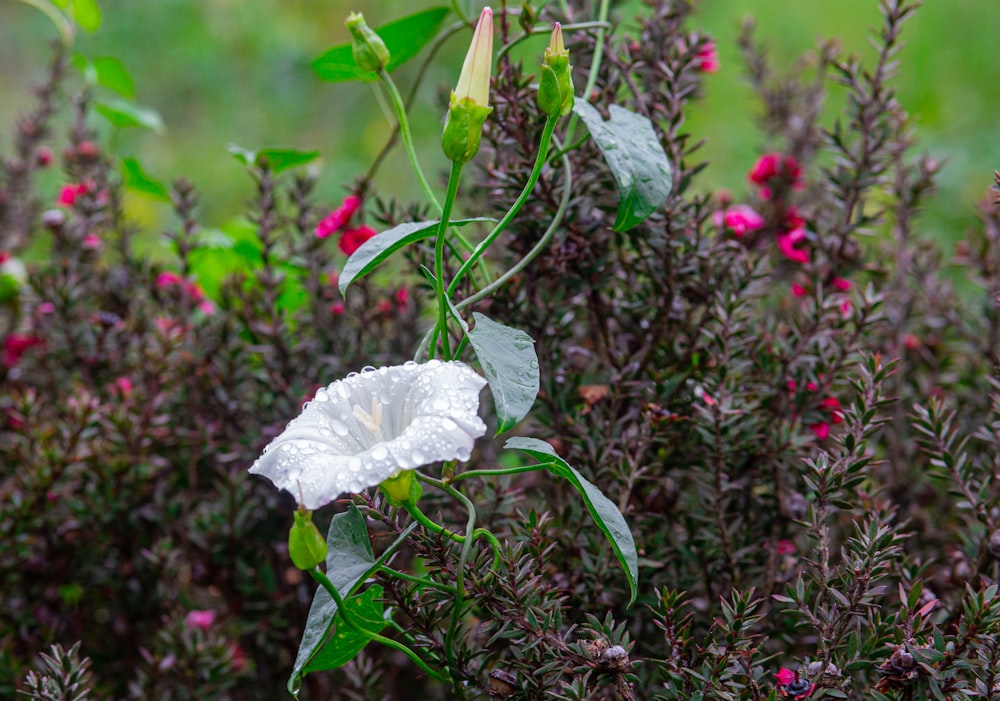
602 509
111 74
636 158
243 155
365 610
379 247
125 113
404 38
87 15
283 159
349 562
138 180
508 358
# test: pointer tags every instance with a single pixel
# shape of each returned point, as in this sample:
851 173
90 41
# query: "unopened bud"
402 488
469 104
370 52
555 89
306 545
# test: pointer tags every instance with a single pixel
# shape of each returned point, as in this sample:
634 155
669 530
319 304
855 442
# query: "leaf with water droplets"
604 512
508 359
636 158
366 611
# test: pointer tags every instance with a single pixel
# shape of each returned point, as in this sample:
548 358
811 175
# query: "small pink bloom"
200 619
385 306
798 290
708 399
785 547
812 386
337 308
787 243
845 309
43 157
15 346
92 242
741 218
792 220
206 307
167 279
46 308
402 298
351 240
912 342
707 58
5 256
765 168
124 386
338 218
69 193
791 385
832 405
785 676
841 284
821 429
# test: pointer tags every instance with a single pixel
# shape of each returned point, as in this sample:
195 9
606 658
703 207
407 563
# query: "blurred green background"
229 71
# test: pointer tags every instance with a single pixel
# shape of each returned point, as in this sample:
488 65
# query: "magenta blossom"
351 240
200 619
787 245
740 218
15 345
785 676
69 193
707 58
338 218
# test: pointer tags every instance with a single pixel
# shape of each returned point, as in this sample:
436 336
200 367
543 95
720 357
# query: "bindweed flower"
469 104
368 427
370 52
555 89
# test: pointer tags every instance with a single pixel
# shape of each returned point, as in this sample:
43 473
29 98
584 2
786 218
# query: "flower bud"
555 89
370 52
306 546
402 488
469 104
13 276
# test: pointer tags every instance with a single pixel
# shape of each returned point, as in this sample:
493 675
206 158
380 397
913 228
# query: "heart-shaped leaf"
404 38
125 113
381 246
604 512
137 179
508 359
636 158
365 610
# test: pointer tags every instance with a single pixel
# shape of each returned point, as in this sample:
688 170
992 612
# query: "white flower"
367 427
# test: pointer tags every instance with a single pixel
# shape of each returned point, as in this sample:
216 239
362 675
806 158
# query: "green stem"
494 473
595 64
536 171
538 248
404 129
325 582
421 518
454 178
64 26
541 29
417 580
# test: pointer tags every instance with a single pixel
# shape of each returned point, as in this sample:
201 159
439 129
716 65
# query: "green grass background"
222 71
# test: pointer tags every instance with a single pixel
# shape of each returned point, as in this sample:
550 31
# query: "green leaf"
636 158
404 38
278 159
125 113
111 74
508 358
138 180
87 15
379 247
602 509
349 562
365 610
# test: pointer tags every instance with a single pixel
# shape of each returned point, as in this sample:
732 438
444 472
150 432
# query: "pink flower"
765 168
337 308
46 308
44 157
167 279
206 307
200 619
402 298
338 218
124 386
821 429
787 243
785 547
774 165
841 284
785 676
351 240
15 346
911 342
740 218
69 193
845 309
385 306
799 290
92 242
812 386
707 58
832 405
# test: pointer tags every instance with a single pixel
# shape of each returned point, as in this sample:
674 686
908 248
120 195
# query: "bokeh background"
233 71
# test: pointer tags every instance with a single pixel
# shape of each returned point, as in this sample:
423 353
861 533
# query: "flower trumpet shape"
469 104
361 430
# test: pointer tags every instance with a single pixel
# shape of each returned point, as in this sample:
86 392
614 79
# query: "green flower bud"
469 105
402 488
306 545
370 52
555 89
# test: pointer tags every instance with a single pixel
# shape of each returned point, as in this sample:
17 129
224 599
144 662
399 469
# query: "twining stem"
416 580
497 472
348 619
404 129
538 247
536 171
544 29
454 178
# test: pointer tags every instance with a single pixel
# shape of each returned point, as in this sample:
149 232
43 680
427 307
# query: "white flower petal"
365 428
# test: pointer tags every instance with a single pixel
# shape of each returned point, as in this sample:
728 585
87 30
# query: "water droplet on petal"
380 452
339 428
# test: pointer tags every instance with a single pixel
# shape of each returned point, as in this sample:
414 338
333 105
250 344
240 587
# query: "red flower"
338 218
200 619
798 290
69 193
785 676
402 298
351 240
707 58
740 218
841 284
337 308
773 165
785 547
787 243
15 345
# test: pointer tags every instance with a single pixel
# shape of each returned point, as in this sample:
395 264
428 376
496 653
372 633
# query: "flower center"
371 421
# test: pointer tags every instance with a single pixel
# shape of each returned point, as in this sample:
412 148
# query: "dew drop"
339 428
380 452
354 463
418 457
448 425
322 395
